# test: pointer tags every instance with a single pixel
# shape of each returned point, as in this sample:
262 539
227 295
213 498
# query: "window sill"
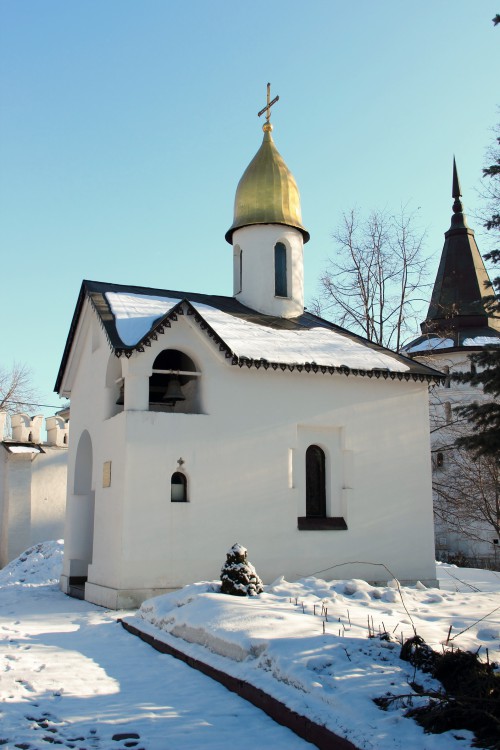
309 523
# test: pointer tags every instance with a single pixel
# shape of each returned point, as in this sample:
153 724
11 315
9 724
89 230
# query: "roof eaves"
69 340
430 376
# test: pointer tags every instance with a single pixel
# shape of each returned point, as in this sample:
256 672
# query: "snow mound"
40 564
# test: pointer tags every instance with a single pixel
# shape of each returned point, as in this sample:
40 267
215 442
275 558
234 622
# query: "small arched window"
439 459
280 270
178 488
315 482
237 269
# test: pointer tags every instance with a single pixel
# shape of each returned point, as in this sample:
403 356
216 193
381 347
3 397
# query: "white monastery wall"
48 494
16 530
244 459
446 426
32 486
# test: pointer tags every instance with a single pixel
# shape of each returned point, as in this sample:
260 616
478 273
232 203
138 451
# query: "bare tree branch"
371 281
17 392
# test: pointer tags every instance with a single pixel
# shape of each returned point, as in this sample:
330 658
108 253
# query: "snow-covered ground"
70 674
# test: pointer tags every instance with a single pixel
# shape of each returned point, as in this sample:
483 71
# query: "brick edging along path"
317 734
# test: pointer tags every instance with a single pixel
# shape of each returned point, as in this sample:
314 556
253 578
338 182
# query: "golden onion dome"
267 192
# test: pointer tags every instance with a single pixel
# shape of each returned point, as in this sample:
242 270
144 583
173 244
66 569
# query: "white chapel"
198 421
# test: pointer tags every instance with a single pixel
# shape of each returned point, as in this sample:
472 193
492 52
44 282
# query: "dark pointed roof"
459 300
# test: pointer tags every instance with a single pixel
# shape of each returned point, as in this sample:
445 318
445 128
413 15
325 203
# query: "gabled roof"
133 316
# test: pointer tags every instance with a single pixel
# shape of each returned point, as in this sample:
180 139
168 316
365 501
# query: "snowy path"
71 677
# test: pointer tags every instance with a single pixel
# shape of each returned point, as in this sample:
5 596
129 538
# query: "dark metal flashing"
308 523
316 734
96 293
71 334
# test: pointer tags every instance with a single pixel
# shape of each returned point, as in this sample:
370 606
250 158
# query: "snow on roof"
435 342
135 314
481 341
22 448
430 345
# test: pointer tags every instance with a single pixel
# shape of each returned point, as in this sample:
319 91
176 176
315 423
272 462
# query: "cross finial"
267 109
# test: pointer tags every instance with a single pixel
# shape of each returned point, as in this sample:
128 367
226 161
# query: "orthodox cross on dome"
267 108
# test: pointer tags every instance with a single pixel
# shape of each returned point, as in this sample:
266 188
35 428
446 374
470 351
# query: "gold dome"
267 193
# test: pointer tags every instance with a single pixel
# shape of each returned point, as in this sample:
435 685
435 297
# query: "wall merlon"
26 429
21 427
57 431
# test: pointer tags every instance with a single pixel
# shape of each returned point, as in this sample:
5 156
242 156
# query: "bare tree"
466 489
372 281
17 392
467 495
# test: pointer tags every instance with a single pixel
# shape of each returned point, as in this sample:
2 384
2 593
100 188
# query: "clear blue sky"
126 125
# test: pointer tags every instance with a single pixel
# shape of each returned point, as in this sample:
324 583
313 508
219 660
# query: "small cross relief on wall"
106 474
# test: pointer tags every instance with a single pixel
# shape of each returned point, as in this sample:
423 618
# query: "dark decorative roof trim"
101 322
185 307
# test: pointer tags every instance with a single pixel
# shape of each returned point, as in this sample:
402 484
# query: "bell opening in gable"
174 384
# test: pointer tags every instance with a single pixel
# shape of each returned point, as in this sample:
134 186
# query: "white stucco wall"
32 499
48 494
244 461
16 532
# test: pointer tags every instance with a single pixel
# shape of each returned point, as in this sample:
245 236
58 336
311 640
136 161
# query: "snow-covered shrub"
238 576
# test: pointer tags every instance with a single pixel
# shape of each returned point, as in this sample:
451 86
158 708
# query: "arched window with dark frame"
315 482
178 487
280 270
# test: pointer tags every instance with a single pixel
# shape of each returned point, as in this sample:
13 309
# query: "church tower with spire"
458 323
267 234
458 319
459 307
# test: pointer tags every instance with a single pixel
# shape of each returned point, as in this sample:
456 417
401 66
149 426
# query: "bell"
173 392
